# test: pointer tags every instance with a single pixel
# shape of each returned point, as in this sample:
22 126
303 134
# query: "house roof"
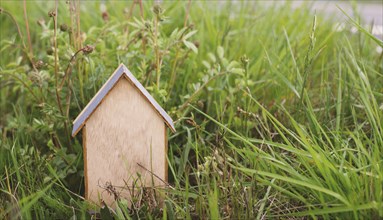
81 119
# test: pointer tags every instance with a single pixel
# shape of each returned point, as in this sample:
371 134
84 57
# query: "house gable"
123 141
105 89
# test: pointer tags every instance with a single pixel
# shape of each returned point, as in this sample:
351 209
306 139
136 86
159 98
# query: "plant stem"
187 13
24 83
78 24
27 27
25 50
17 26
173 73
68 70
308 58
58 98
56 61
195 94
157 51
131 10
142 17
141 9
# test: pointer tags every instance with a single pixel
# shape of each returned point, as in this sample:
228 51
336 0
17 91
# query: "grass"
278 114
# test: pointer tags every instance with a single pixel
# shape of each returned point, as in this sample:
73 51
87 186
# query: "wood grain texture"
150 98
80 121
85 161
166 154
122 70
119 135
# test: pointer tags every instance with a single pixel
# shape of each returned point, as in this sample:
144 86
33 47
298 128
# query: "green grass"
277 114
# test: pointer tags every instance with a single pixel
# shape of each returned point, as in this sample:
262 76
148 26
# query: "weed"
277 113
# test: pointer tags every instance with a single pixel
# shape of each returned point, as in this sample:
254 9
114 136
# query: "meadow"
278 112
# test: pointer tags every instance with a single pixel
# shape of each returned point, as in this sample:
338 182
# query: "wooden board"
85 161
122 132
85 114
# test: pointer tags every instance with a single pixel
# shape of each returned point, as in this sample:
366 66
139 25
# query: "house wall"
122 132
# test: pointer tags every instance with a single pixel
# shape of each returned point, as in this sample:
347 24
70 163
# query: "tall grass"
278 113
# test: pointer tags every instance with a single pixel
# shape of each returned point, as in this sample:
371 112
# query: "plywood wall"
122 132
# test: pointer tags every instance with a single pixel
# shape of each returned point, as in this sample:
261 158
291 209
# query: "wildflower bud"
52 13
105 16
244 60
157 10
87 49
50 51
41 22
39 64
196 43
64 27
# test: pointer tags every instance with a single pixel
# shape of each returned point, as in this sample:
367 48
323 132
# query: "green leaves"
218 62
288 123
105 213
188 35
362 29
213 204
191 46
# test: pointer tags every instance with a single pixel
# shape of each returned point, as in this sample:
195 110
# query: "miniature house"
124 134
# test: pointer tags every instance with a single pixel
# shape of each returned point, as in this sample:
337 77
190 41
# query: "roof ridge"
81 119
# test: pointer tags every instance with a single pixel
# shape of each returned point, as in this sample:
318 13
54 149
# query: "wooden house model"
124 133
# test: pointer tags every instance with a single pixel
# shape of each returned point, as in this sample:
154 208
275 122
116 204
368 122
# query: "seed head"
196 43
64 27
88 49
52 13
39 64
157 10
50 51
105 16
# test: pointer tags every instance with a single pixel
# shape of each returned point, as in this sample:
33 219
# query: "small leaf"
232 64
206 64
174 33
220 52
189 34
47 179
123 205
212 57
170 210
236 71
224 61
119 214
191 46
205 78
105 213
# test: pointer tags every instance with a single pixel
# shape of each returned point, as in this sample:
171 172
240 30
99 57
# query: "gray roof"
81 119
